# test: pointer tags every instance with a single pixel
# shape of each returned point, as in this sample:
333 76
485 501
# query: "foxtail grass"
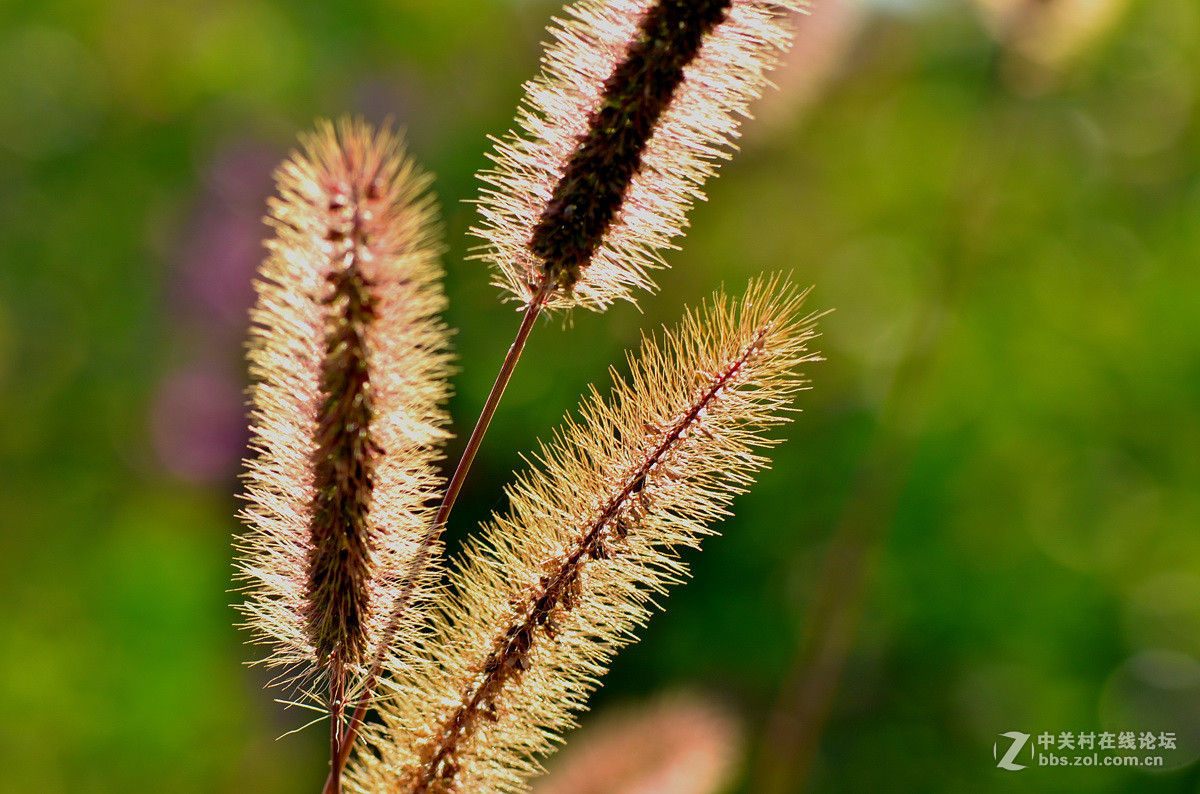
556 585
350 365
637 103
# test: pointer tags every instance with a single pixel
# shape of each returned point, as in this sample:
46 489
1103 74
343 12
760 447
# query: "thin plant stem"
489 410
532 311
337 709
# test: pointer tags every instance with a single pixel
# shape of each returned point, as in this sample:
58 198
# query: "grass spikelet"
636 103
350 363
678 744
554 587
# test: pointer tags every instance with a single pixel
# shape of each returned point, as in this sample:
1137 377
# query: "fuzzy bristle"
636 103
350 363
558 584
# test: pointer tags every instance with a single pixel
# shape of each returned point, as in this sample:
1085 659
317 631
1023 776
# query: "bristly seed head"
345 454
557 585
589 192
637 102
350 361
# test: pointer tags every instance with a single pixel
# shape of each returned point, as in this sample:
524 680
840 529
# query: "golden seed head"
637 103
349 360
557 584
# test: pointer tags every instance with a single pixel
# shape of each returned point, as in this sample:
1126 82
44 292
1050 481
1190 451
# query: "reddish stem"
337 709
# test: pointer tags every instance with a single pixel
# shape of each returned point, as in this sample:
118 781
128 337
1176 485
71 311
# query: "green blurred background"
984 521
